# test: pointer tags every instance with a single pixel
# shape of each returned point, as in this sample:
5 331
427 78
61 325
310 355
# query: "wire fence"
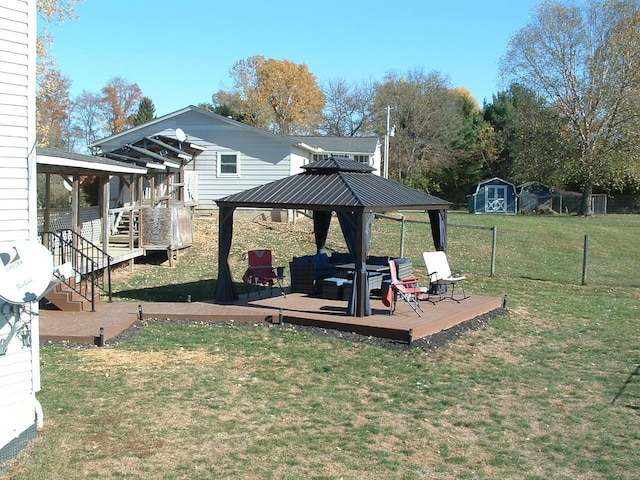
557 251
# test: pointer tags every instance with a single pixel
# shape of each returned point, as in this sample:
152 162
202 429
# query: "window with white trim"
362 159
358 158
229 164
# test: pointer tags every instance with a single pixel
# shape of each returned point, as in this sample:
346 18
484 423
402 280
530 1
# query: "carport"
339 185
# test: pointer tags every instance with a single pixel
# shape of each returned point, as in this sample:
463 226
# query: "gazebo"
339 185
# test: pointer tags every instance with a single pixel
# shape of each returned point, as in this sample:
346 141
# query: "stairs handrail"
86 258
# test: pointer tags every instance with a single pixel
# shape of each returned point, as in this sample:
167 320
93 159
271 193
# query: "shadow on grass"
199 291
634 375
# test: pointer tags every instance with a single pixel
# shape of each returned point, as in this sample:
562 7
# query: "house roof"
315 144
493 180
50 160
157 152
205 114
352 145
338 184
527 185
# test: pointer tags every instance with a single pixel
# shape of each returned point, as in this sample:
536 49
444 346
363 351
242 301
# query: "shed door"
496 199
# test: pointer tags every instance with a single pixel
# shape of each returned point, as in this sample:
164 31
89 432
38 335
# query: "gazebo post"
361 272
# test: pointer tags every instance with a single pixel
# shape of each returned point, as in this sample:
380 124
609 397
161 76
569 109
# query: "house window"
362 159
228 164
358 158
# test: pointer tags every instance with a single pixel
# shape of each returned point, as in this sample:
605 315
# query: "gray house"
237 156
365 150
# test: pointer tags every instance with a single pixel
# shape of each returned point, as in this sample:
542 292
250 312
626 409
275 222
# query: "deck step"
122 238
67 300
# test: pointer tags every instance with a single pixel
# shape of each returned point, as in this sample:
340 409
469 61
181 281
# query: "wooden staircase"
124 223
67 299
91 272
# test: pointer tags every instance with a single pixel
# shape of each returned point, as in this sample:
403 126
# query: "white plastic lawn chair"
440 274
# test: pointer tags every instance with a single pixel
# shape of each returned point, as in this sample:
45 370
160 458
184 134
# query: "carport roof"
51 160
337 184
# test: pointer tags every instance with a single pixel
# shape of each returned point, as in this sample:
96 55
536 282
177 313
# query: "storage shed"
493 196
532 196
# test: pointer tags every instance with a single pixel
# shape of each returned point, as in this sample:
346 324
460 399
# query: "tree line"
568 119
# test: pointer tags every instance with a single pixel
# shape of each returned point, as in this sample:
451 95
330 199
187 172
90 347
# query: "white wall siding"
263 157
19 366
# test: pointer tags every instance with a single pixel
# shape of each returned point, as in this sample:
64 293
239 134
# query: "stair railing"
91 264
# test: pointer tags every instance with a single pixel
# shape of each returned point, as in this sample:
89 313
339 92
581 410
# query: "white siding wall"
299 158
263 157
19 367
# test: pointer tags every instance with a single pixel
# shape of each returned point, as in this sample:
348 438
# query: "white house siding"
19 366
299 158
264 157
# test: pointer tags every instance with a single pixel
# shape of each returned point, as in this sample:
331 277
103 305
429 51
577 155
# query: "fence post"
585 260
494 229
402 235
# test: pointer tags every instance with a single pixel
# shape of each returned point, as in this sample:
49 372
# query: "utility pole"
386 144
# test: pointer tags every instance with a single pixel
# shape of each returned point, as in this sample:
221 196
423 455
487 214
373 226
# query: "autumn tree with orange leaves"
279 95
119 103
53 112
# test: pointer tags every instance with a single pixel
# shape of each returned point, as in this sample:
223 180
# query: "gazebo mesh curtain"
349 222
225 291
321 223
438 221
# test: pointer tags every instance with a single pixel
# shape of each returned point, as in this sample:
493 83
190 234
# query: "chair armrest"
410 280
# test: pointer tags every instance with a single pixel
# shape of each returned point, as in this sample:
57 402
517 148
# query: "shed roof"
336 183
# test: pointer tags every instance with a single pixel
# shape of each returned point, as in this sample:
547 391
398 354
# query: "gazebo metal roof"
335 184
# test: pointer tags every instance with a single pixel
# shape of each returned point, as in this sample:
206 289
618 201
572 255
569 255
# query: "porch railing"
91 265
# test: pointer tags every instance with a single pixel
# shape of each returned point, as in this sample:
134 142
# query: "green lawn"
530 395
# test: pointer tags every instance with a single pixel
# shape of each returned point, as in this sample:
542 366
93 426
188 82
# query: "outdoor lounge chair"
440 275
407 289
262 272
308 271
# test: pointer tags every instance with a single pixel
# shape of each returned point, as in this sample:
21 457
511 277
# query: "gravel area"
430 343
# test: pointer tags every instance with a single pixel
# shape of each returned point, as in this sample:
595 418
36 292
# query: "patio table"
368 266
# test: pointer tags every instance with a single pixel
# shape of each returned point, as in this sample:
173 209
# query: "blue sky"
180 52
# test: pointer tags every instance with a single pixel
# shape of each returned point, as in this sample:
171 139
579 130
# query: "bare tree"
425 114
348 109
585 60
88 117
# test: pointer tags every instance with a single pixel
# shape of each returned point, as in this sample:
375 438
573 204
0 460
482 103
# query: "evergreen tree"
146 111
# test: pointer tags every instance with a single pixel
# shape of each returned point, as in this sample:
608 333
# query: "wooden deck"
295 308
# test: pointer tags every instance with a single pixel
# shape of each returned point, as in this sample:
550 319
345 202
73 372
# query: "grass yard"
530 395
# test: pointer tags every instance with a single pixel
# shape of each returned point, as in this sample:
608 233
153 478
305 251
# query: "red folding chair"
261 272
407 289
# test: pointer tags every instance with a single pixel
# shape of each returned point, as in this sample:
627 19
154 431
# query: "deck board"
295 308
